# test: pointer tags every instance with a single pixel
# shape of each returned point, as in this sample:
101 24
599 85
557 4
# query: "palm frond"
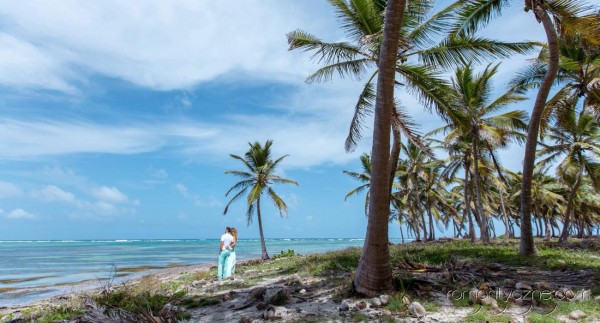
279 203
363 109
455 51
353 69
475 14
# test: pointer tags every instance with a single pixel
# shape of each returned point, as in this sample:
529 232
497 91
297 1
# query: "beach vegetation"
59 314
258 178
285 254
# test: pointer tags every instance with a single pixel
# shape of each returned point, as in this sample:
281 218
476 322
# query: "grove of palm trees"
453 176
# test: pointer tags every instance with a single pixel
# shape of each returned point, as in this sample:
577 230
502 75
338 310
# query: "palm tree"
471 121
576 136
374 273
425 45
364 177
547 196
577 77
256 180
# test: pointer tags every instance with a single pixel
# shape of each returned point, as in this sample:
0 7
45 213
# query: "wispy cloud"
9 190
199 201
109 201
17 214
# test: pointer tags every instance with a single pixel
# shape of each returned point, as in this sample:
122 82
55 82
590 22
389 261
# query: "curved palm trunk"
263 246
527 247
374 273
483 225
567 223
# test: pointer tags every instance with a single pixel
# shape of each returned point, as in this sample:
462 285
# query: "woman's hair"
234 233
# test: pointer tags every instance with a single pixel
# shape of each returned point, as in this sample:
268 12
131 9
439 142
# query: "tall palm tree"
471 120
576 136
426 44
374 273
256 180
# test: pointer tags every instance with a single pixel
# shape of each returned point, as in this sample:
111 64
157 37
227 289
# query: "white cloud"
8 190
22 64
109 194
17 214
30 139
53 193
157 44
182 189
110 201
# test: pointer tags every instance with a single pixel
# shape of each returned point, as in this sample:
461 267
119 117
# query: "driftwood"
99 314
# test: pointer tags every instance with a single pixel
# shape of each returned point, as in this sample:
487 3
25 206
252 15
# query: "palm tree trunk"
548 225
504 216
527 247
567 223
395 154
422 214
374 273
483 225
468 202
263 246
431 237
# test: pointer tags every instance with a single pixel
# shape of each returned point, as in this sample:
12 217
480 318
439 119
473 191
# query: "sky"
117 118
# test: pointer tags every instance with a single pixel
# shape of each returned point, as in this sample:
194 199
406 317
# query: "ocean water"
34 270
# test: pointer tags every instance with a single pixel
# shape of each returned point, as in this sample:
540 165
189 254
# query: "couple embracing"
227 253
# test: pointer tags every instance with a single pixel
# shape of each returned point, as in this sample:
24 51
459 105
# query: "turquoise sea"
34 270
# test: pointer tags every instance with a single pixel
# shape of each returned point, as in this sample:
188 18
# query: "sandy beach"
317 288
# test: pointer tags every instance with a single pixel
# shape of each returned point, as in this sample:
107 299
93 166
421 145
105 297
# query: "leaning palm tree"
576 138
256 180
471 119
374 272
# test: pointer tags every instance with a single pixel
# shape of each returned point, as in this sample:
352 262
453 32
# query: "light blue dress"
231 263
223 267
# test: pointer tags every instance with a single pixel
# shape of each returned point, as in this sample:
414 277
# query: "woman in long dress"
231 259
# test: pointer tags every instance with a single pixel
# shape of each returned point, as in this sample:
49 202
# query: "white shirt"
227 240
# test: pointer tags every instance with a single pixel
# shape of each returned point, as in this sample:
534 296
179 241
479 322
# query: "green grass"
358 317
540 318
139 303
589 307
438 253
60 314
483 316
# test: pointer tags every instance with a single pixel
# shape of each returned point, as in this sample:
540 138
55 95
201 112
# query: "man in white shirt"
224 252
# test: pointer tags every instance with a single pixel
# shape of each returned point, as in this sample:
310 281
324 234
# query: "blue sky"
117 118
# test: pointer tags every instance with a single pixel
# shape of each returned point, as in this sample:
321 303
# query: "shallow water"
34 270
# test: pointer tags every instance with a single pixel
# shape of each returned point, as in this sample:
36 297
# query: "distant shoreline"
76 288
22 289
